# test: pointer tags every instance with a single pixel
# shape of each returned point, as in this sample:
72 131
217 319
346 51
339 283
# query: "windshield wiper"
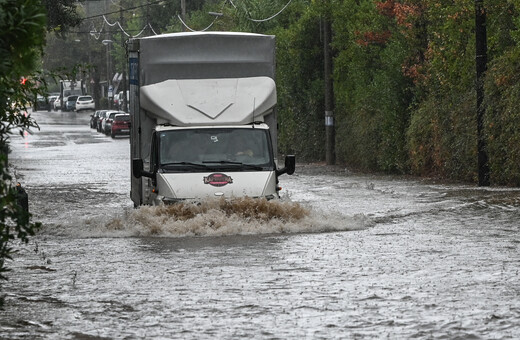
191 164
238 164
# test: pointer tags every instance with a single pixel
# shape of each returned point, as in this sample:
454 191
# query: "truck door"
150 189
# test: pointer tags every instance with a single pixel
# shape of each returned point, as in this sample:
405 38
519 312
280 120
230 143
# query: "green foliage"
300 87
61 15
372 93
21 31
22 24
442 133
442 137
503 117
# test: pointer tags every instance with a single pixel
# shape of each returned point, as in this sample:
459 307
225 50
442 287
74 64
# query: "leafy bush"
300 88
22 24
503 118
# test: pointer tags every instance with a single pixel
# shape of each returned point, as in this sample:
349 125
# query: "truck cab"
218 161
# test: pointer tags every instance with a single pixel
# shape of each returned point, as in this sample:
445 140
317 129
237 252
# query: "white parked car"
85 103
57 104
52 98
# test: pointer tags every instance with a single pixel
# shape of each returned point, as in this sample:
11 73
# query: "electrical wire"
261 20
124 10
97 34
184 24
116 23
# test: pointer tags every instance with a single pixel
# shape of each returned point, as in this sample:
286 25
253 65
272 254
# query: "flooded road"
342 256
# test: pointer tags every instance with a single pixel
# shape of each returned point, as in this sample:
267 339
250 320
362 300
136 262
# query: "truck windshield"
241 149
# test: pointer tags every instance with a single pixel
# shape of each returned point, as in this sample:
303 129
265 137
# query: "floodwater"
341 256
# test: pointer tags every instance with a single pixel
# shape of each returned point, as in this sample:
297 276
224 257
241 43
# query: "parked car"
107 121
100 119
85 103
70 104
120 125
41 104
57 103
52 98
95 117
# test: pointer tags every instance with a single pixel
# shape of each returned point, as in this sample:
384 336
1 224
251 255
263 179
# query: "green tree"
299 52
442 134
377 48
61 15
502 88
22 23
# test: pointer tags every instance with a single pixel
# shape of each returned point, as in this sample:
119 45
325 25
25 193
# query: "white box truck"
203 118
69 88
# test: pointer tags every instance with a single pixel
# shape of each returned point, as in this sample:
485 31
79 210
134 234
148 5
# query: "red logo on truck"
218 180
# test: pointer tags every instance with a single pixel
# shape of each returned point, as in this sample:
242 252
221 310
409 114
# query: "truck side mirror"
290 165
137 167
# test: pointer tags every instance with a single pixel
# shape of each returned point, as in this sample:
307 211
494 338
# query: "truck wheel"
113 135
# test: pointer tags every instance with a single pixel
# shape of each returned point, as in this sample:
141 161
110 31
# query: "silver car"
106 124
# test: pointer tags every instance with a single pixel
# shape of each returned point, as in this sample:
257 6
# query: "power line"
261 20
214 20
124 10
105 20
96 34
184 24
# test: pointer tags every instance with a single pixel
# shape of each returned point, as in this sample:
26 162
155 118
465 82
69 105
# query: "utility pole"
123 79
107 43
147 16
183 13
89 70
330 155
481 66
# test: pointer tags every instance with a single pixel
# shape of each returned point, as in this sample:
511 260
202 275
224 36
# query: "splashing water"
240 216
